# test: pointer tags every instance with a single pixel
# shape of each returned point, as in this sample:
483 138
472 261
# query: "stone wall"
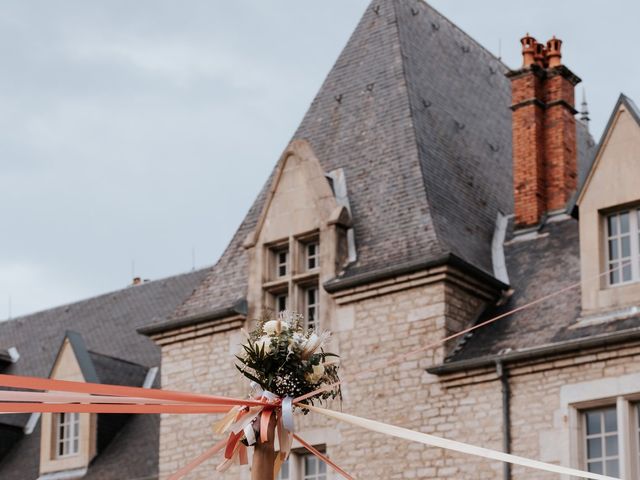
369 329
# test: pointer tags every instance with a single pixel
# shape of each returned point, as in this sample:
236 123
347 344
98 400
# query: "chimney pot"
528 50
554 53
540 55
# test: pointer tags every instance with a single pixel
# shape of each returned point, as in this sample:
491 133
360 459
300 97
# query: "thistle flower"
314 342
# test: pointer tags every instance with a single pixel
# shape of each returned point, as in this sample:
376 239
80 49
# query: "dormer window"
623 246
292 280
67 434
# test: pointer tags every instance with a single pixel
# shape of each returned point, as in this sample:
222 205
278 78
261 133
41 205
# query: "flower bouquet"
284 359
284 362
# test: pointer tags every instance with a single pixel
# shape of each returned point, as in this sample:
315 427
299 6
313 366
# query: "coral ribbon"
323 458
106 408
34 383
204 456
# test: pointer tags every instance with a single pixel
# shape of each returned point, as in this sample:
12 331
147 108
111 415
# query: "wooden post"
264 455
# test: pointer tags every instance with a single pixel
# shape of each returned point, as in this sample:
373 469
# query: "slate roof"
416 113
537 267
119 355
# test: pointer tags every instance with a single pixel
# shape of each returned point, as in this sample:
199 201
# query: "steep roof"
117 354
416 113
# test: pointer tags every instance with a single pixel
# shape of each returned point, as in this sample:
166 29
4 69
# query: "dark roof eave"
337 284
238 308
537 352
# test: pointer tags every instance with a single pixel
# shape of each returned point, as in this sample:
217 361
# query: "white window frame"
279 263
309 257
634 247
308 306
67 434
276 301
297 466
601 437
636 437
627 411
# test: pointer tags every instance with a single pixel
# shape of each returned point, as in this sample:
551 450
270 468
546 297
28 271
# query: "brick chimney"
544 131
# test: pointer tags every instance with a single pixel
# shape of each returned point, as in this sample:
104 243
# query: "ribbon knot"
243 421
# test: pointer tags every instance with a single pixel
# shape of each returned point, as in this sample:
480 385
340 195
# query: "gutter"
337 284
503 375
602 340
238 308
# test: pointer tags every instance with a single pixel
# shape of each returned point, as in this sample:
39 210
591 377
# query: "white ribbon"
287 414
250 434
453 445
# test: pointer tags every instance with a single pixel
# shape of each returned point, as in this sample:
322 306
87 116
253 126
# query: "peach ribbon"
98 398
34 383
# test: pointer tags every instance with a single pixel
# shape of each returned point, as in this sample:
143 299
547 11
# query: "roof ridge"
102 295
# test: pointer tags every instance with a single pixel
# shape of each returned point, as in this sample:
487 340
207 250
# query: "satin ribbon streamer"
238 421
434 441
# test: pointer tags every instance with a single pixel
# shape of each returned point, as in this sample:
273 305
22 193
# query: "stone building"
430 188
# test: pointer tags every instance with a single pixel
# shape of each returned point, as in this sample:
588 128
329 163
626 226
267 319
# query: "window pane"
614 276
626 272
282 263
613 249
611 446
612 468
281 302
624 222
312 256
610 420
594 448
595 467
593 423
309 465
284 471
625 246
612 221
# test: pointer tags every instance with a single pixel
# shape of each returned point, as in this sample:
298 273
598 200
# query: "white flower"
264 342
273 327
312 344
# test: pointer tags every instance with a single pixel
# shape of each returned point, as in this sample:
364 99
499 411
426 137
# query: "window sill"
607 317
64 474
276 286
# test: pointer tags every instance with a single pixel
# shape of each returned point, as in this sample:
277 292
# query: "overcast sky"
141 131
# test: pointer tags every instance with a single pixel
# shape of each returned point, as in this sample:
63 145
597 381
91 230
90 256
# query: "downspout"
506 416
